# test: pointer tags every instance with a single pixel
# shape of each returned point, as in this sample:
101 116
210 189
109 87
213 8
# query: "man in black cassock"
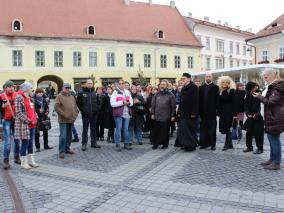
208 107
187 113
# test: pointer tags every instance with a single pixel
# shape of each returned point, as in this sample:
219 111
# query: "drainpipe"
254 51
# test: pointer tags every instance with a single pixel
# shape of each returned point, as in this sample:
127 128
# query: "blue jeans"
131 134
8 131
74 132
65 136
121 123
27 145
89 121
275 148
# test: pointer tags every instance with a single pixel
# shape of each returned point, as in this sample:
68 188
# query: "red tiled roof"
112 19
269 30
219 26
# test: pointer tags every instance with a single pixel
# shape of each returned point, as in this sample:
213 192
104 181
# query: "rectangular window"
58 58
208 63
207 44
163 60
93 59
190 62
238 63
40 58
129 59
231 47
231 63
17 58
281 52
219 63
264 55
244 50
177 62
238 48
110 59
220 45
245 62
147 60
77 59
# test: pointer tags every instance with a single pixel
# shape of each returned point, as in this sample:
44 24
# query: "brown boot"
272 166
266 163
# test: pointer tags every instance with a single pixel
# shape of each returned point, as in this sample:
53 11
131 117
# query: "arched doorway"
51 82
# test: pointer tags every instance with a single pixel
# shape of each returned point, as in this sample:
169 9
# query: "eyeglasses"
67 87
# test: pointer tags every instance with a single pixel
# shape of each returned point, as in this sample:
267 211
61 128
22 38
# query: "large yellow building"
70 40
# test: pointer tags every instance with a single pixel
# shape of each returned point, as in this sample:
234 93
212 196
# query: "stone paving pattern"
147 181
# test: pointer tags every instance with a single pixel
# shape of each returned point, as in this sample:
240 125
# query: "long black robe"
188 107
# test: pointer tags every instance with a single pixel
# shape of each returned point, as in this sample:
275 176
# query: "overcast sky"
244 13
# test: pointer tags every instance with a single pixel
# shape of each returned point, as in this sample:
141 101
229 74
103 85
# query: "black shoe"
96 146
48 147
140 143
84 148
257 152
17 160
154 147
6 164
118 149
164 147
75 140
37 149
247 150
61 155
225 149
70 152
203 147
127 147
213 148
189 149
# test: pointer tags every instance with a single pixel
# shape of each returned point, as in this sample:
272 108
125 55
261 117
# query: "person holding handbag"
43 122
25 124
7 108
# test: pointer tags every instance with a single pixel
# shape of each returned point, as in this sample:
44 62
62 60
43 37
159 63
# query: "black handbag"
45 124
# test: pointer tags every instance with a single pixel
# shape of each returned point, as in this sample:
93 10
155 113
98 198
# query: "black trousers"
100 126
255 129
160 133
228 141
208 133
45 139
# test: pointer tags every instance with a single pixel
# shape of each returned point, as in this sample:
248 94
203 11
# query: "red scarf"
30 109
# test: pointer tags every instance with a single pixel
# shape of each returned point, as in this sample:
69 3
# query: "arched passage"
48 81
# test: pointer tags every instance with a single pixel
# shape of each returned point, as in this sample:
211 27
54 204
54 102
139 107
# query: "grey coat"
163 106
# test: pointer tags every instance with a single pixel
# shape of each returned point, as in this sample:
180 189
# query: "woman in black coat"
108 118
227 110
254 124
100 116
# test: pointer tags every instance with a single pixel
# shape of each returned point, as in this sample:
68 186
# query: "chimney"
190 14
238 27
249 30
150 1
126 2
226 24
206 18
172 4
219 22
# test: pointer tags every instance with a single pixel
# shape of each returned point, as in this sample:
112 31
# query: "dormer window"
17 25
91 30
160 34
274 25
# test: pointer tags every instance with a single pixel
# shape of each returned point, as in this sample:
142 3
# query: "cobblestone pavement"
146 181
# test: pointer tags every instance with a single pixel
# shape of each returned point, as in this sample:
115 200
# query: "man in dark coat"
87 103
208 107
187 113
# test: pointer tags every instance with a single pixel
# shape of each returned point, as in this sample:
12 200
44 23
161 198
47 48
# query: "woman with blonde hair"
227 111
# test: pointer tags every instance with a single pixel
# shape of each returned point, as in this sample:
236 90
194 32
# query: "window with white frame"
245 62
91 30
220 45
281 52
163 60
208 63
231 47
231 62
147 60
264 55
207 43
238 63
77 59
17 58
244 50
40 58
110 59
93 59
58 58
129 59
177 62
219 63
238 48
17 25
190 62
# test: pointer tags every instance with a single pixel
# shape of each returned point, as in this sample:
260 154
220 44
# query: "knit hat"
26 86
8 84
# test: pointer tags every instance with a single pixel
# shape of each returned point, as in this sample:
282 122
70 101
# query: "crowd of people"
130 111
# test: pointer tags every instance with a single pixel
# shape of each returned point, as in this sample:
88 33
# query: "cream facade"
179 59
